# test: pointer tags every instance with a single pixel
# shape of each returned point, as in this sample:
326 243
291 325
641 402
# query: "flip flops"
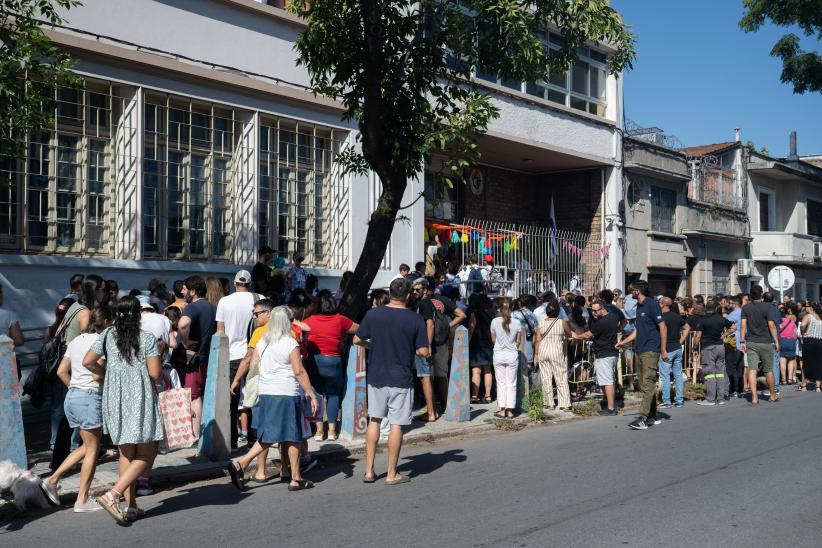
369 479
399 480
301 484
236 475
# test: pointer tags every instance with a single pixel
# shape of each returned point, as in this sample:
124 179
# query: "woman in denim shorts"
83 408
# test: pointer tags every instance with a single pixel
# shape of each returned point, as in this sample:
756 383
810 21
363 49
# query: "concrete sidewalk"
185 465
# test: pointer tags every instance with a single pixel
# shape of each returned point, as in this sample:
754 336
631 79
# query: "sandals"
776 398
501 416
487 400
399 480
132 513
112 505
301 484
319 437
369 479
236 475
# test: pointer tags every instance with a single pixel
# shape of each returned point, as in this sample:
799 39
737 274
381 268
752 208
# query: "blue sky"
697 76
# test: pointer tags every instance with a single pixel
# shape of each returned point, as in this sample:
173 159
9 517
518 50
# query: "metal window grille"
189 159
56 197
713 184
663 209
301 195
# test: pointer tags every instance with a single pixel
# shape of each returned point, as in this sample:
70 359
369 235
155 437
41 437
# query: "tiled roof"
702 150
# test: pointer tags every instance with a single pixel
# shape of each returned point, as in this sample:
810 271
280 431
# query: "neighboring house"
685 215
786 219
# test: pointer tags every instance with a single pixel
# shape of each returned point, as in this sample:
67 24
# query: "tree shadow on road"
426 463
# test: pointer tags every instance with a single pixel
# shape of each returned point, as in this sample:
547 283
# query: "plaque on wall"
476 181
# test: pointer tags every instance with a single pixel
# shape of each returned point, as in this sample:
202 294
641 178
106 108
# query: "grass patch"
505 424
588 408
694 391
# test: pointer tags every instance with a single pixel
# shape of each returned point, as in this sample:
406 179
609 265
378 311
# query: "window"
766 211
187 179
814 212
296 189
582 86
59 193
442 207
721 271
663 209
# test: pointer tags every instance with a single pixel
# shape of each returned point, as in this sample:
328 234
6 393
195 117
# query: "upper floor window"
814 210
663 209
767 212
188 188
58 194
297 189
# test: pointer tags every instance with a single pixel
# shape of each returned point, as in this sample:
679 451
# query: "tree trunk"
380 228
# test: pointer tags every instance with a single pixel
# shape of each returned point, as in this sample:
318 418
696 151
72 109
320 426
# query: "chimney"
792 155
736 134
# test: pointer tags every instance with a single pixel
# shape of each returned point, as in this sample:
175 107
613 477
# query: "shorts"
440 361
392 403
193 375
424 366
605 370
760 354
84 408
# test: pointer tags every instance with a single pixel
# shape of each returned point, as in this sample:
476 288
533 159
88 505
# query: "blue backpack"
476 285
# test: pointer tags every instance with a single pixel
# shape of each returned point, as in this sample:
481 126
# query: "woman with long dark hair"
131 413
324 346
812 346
480 345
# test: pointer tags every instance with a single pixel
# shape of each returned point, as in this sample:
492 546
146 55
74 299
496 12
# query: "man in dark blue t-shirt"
649 333
395 335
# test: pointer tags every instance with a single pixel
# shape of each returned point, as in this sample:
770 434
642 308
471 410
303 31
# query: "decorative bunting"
464 238
455 237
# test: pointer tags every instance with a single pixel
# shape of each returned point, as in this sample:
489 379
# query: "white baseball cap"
242 277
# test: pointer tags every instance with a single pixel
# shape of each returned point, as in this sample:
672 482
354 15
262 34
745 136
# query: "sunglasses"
258 312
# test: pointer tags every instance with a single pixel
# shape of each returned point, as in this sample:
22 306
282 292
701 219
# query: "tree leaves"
30 69
800 68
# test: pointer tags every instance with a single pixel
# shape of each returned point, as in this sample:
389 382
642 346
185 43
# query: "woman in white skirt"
550 352
506 334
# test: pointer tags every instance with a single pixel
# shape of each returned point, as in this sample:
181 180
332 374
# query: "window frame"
656 193
771 209
818 203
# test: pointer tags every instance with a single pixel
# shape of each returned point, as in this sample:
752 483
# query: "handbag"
251 393
52 351
306 406
175 407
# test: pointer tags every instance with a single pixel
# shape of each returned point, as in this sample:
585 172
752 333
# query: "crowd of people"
287 338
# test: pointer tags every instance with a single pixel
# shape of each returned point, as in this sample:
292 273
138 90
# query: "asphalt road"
734 475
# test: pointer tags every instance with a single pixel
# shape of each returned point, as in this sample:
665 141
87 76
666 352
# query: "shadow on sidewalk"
223 494
426 463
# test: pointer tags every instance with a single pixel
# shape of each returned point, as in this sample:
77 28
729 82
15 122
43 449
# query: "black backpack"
37 385
476 285
442 327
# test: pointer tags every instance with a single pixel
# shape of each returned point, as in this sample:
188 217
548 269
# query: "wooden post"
12 439
459 384
215 432
354 404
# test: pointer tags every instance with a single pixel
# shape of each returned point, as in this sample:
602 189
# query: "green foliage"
694 391
403 70
535 403
30 68
801 68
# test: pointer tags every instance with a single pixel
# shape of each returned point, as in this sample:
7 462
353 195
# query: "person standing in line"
734 363
480 347
675 325
424 364
788 330
234 316
196 326
550 350
158 294
131 412
506 334
629 304
768 298
758 341
603 331
279 417
9 324
529 323
712 331
83 408
811 327
295 274
395 335
214 290
325 340
649 333
261 272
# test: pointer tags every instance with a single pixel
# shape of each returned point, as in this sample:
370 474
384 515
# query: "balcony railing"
721 187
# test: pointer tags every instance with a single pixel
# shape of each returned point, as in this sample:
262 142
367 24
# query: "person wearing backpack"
441 315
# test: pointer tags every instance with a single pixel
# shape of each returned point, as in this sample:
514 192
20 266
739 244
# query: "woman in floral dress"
131 413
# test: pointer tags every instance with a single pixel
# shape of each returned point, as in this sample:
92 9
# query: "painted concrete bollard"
215 429
459 384
12 439
354 404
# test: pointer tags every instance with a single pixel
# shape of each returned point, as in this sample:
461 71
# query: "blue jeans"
330 372
674 362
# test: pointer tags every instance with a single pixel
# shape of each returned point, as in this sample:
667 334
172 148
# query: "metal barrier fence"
537 258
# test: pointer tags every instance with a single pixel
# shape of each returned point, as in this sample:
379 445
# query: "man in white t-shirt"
156 324
234 315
